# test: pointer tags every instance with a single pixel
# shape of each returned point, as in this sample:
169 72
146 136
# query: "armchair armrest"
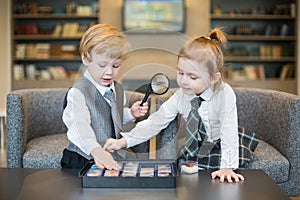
275 117
32 113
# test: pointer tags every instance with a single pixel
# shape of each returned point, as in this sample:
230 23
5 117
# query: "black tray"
137 181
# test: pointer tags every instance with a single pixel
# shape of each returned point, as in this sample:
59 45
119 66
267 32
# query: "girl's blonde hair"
207 50
104 39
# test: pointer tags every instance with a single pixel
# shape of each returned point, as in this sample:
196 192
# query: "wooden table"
59 184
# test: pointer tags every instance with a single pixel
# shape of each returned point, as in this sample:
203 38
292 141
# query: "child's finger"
100 165
240 177
229 179
107 144
145 104
213 175
111 150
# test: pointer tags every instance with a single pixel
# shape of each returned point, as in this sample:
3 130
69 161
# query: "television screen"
169 14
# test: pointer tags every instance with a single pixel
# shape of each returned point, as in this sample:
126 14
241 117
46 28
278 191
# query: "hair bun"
218 36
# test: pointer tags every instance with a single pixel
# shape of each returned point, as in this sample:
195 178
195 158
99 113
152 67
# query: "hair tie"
206 37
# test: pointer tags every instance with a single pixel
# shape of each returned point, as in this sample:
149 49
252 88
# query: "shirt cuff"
128 117
131 140
229 159
92 144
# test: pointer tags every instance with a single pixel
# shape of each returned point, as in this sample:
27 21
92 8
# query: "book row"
31 72
45 50
257 72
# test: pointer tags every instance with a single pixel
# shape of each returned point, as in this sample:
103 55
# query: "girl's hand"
112 145
139 111
228 174
104 159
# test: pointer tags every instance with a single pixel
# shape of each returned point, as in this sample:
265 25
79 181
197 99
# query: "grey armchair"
36 134
35 130
275 117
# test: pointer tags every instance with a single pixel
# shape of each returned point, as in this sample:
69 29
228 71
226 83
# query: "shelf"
272 51
260 38
273 84
73 58
250 17
24 84
54 16
44 37
48 39
258 59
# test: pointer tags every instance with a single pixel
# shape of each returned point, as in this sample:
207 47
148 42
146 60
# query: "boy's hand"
112 145
228 174
103 159
139 111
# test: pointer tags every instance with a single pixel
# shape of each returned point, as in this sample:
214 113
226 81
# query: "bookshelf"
45 40
261 35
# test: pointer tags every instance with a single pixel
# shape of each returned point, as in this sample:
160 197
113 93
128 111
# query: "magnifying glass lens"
160 84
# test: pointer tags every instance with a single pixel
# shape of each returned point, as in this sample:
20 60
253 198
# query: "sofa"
36 134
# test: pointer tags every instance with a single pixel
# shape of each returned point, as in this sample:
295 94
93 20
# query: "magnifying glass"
159 84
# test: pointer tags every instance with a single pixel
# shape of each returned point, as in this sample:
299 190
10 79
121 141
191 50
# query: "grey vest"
100 112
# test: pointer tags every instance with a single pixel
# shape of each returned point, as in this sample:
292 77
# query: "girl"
214 144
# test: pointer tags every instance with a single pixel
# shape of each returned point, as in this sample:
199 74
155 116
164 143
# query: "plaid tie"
114 112
194 127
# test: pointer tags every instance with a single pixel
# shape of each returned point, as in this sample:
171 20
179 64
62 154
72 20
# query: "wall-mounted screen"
168 14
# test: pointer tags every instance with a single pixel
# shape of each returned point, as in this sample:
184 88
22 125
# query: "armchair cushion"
45 151
271 161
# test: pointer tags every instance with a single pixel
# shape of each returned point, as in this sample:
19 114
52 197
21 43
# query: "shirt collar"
100 88
206 94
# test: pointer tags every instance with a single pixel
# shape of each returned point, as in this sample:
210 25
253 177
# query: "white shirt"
76 117
218 113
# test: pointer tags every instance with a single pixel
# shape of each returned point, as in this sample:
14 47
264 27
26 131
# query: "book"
84 10
20 51
30 70
287 71
58 72
284 71
42 50
261 72
70 29
18 71
291 73
30 51
55 50
69 50
250 72
57 30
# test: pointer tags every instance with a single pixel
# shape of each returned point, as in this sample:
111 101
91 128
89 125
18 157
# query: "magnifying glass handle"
148 92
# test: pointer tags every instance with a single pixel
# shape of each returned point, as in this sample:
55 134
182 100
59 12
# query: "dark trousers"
72 160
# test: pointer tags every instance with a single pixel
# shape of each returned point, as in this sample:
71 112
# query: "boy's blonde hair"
206 50
104 38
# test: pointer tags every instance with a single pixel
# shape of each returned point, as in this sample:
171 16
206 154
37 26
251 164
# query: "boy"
94 107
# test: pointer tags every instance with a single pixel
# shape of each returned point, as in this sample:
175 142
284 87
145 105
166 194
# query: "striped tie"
114 112
194 127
